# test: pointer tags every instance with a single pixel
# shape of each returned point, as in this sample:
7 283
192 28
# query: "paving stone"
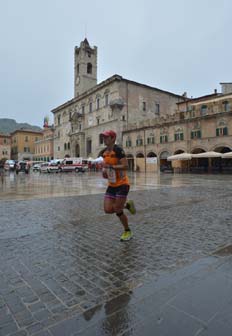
57 266
8 328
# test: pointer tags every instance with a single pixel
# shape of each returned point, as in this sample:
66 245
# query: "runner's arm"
122 164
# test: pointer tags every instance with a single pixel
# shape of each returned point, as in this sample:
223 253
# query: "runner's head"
109 137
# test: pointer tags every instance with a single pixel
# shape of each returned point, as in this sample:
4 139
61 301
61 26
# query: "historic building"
23 144
5 146
198 125
115 103
44 147
151 124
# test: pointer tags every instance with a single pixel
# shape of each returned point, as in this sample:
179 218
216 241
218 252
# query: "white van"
74 164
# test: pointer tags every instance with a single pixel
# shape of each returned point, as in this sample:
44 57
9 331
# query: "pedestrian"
2 170
114 169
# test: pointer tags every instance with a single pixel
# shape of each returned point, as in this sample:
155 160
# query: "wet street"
63 270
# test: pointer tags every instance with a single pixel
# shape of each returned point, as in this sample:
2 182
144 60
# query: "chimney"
226 88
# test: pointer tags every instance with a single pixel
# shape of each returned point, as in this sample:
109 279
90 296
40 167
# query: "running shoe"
127 235
131 207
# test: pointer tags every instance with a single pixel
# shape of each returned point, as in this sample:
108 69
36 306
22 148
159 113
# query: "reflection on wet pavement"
37 185
64 272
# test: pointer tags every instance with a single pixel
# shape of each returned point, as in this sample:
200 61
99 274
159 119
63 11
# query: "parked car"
49 167
9 165
36 167
22 166
74 164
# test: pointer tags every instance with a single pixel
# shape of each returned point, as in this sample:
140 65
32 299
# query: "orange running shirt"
112 158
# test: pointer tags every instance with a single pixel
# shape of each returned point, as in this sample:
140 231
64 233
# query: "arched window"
89 68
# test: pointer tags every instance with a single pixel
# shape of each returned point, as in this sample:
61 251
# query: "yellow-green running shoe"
127 235
131 207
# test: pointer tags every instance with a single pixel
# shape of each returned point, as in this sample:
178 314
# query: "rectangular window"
150 140
157 109
144 106
83 109
204 109
106 100
89 147
226 106
90 107
139 142
179 136
221 131
98 103
163 138
196 134
101 141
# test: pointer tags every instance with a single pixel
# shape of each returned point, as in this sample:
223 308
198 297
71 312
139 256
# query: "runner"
114 169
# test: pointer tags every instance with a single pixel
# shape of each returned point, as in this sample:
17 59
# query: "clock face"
78 80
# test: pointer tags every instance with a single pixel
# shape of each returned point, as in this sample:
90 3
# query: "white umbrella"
211 154
182 156
227 155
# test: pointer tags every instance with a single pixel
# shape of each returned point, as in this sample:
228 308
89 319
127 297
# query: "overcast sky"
174 45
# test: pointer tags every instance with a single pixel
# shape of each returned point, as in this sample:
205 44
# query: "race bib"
111 175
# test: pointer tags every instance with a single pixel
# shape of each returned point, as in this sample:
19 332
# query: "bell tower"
85 68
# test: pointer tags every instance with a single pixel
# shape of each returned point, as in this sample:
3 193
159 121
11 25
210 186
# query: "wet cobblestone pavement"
63 269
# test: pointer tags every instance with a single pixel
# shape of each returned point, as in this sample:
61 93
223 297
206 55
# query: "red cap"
110 133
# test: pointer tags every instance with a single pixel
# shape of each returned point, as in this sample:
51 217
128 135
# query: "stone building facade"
44 147
198 125
115 103
5 146
23 144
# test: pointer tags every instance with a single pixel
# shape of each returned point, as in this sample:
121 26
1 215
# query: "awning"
227 155
211 154
182 156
